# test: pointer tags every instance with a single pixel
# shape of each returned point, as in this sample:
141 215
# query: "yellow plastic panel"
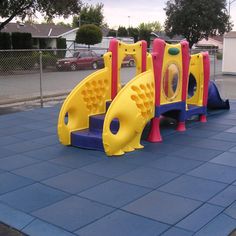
87 98
133 107
170 62
134 50
196 69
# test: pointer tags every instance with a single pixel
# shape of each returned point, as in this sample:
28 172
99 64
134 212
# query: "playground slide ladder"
88 98
120 129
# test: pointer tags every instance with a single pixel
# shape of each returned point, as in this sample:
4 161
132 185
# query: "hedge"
21 40
5 41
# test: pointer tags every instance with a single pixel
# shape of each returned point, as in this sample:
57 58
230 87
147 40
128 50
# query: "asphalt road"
27 84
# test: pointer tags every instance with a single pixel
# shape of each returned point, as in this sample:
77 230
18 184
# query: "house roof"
38 30
231 34
162 35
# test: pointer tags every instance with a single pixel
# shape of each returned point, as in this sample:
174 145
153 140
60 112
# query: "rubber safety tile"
10 182
41 171
175 164
225 198
200 217
115 193
39 228
147 177
79 212
32 197
226 158
211 171
163 207
194 188
75 181
122 223
219 226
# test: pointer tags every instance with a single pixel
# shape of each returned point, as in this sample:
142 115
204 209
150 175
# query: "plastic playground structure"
100 114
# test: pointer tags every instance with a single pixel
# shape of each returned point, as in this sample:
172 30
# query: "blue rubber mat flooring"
183 186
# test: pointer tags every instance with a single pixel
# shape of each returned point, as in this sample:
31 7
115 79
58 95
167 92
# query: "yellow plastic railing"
196 69
88 98
133 107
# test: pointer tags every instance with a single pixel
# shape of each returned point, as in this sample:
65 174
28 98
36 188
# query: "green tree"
134 33
112 33
89 14
154 26
21 8
61 44
196 19
145 32
89 35
122 31
63 24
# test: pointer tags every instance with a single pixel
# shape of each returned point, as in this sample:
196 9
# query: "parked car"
80 60
128 61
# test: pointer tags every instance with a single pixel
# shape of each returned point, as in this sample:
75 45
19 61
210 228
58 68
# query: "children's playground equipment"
100 114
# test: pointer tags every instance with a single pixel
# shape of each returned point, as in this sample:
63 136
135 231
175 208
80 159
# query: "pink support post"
114 77
185 67
158 57
154 135
203 118
181 127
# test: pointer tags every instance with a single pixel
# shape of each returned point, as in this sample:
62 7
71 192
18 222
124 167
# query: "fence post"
214 51
41 77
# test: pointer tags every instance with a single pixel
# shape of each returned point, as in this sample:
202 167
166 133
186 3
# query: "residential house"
229 55
213 42
44 35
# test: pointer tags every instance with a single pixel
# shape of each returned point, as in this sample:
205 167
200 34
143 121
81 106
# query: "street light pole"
129 25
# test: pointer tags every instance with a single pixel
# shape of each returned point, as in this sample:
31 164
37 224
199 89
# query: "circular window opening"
192 86
115 125
66 118
170 81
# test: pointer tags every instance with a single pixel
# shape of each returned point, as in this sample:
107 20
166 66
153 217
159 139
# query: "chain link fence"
42 76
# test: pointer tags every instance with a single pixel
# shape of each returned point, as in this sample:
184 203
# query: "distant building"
211 43
162 35
48 32
229 55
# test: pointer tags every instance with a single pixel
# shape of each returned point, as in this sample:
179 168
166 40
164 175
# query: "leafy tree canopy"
145 32
111 33
196 19
89 35
122 31
90 14
50 8
133 32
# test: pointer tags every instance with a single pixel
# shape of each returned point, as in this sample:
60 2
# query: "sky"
133 12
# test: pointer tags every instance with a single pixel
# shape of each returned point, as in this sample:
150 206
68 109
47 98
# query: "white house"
229 53
44 35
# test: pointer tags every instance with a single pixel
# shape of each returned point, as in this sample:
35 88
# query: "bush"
219 55
48 59
16 63
21 40
5 41
61 44
89 35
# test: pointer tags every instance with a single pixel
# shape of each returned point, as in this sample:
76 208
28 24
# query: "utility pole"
129 26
